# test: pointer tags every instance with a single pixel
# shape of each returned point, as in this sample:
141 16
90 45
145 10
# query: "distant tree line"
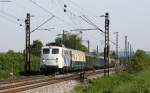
71 41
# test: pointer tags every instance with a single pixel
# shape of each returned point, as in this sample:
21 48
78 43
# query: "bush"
118 83
139 61
12 63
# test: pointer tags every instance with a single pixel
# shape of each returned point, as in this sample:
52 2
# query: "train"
62 59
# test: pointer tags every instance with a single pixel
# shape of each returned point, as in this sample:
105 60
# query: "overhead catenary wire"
5 1
78 9
12 21
24 7
89 22
11 16
42 24
93 23
83 9
67 11
97 28
83 18
41 7
49 12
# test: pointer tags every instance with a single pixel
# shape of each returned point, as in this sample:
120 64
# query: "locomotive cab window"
46 51
55 51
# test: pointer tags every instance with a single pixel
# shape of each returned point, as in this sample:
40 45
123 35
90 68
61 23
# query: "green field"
118 83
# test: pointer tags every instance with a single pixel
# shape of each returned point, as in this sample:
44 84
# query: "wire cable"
10 15
91 24
42 24
41 7
4 17
97 28
67 11
82 9
49 12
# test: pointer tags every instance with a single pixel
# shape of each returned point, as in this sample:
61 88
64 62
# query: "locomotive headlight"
43 60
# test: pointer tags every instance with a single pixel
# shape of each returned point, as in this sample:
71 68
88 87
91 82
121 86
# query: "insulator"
65 6
65 10
20 25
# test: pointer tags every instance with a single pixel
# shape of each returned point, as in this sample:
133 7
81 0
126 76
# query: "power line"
81 10
5 1
48 12
67 10
10 15
78 6
41 7
97 28
42 23
10 20
89 22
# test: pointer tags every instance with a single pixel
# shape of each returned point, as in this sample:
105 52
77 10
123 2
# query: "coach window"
55 51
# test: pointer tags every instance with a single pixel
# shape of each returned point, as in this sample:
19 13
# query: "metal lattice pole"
125 51
117 54
107 46
27 45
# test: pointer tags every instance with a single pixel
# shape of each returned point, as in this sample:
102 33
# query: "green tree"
35 48
139 60
10 52
71 41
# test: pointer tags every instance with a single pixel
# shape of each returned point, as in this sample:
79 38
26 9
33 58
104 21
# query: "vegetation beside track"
134 80
119 83
12 64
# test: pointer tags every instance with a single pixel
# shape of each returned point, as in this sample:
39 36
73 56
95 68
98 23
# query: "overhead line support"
107 46
27 44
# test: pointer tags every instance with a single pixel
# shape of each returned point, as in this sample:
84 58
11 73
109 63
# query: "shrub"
12 63
139 61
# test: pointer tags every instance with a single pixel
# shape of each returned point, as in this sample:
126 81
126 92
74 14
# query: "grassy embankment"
12 65
119 83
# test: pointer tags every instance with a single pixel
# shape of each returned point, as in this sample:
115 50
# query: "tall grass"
12 64
120 83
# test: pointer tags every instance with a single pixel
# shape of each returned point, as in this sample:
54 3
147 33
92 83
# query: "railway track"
35 82
20 79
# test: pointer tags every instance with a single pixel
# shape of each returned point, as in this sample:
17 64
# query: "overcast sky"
128 17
